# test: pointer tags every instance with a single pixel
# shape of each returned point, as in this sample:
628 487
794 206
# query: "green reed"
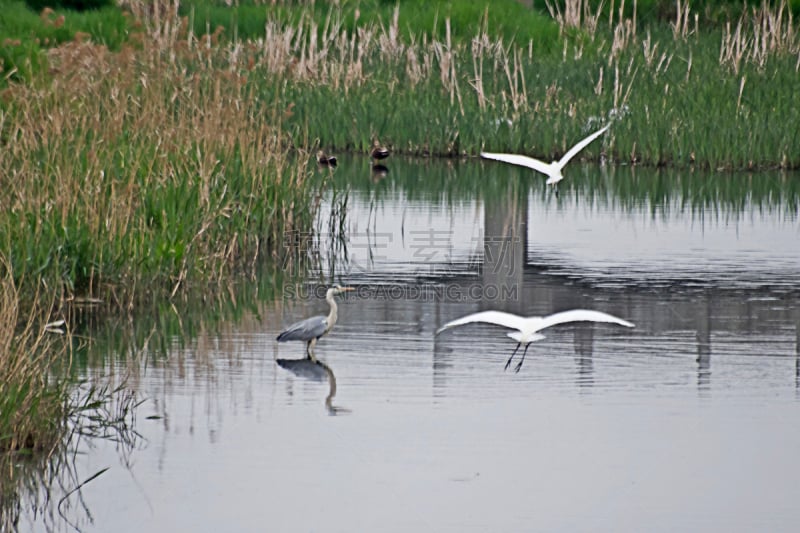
131 174
678 95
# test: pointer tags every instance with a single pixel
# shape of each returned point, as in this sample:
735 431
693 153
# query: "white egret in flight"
311 329
528 328
551 170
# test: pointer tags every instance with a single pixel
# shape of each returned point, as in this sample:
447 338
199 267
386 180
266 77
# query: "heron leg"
310 350
519 365
508 363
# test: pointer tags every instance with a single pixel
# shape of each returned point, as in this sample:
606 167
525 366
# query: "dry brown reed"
759 34
577 14
32 410
138 145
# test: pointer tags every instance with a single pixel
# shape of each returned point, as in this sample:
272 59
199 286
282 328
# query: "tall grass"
25 35
680 93
32 408
128 174
417 18
132 173
126 177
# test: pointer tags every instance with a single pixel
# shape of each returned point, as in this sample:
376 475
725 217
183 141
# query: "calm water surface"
687 422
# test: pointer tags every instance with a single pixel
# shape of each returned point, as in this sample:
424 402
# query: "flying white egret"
551 170
527 328
311 329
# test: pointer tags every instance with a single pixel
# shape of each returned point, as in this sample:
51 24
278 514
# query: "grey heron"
528 328
551 170
311 329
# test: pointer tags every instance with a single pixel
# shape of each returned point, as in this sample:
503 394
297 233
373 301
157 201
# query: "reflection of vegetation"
42 486
45 415
153 331
46 487
660 190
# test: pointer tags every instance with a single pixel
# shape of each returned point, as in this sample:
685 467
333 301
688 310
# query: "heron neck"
333 315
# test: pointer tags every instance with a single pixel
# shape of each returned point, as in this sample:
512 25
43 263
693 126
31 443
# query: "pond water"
686 422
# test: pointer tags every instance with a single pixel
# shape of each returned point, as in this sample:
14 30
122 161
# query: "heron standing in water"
311 329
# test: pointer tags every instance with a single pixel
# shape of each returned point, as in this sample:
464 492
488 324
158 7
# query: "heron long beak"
346 289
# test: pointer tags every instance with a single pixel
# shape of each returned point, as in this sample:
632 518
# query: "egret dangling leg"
508 363
519 365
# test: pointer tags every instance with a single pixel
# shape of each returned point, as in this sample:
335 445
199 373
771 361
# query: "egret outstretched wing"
521 160
580 146
498 318
580 315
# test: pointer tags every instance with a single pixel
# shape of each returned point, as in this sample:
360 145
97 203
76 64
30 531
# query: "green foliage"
507 19
676 114
186 150
651 12
25 34
77 5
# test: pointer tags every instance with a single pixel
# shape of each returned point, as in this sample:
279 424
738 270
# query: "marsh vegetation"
155 151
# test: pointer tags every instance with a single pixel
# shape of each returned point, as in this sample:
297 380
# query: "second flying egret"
551 170
528 328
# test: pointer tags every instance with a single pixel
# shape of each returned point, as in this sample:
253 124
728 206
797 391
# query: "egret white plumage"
551 170
311 329
528 327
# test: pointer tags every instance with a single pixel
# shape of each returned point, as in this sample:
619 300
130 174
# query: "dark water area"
685 422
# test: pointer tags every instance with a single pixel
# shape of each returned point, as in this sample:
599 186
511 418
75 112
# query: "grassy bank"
128 174
32 408
680 95
26 35
709 86
147 154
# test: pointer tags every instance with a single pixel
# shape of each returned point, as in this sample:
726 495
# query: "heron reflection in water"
311 329
315 371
